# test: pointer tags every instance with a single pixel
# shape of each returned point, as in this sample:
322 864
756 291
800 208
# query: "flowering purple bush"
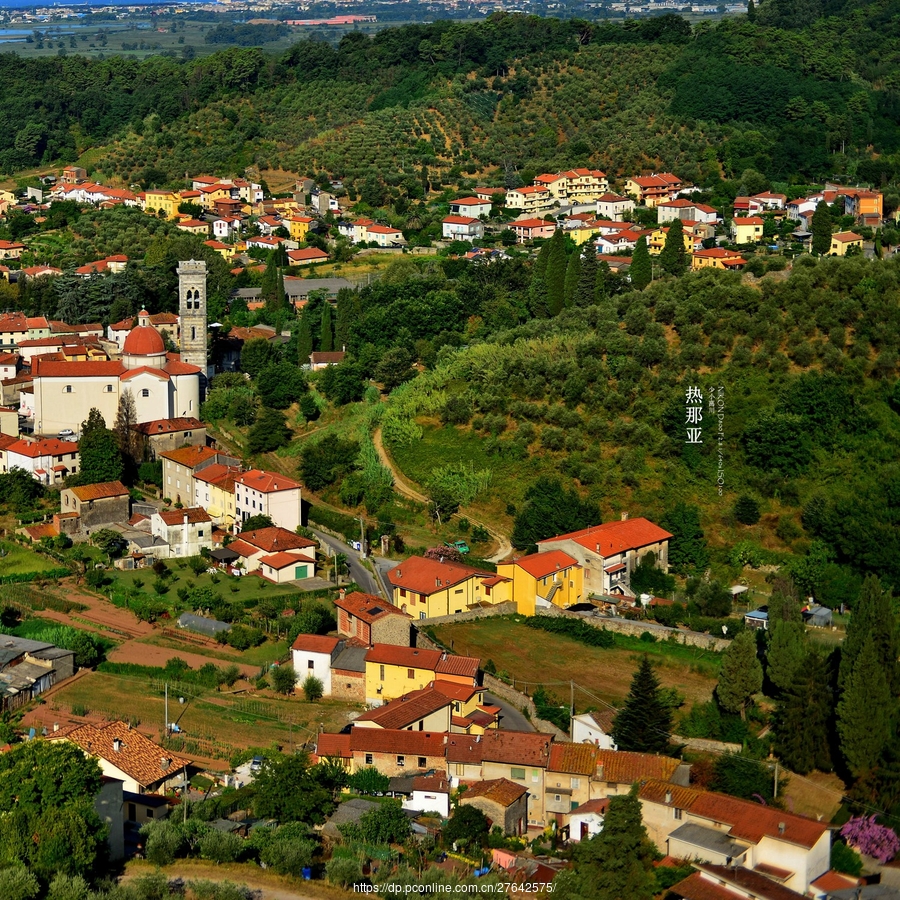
870 838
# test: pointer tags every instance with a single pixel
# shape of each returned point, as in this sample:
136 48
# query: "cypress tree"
872 619
751 11
304 340
556 273
586 289
98 450
687 551
641 269
787 645
573 276
326 342
741 675
865 712
803 721
644 723
537 289
673 258
344 319
821 229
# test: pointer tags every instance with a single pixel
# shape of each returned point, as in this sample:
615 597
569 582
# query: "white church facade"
163 385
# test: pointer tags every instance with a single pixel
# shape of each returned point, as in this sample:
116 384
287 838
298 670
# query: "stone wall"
339 686
627 626
471 615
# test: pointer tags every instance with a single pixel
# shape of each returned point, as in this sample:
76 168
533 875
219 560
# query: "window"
149 813
556 797
422 615
108 388
67 389
310 664
145 392
401 760
677 814
422 762
575 784
518 774
402 592
458 591
368 755
456 707
487 591
381 673
535 776
199 532
193 333
410 673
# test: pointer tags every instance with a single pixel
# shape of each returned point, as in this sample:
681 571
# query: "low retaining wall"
628 626
702 745
470 615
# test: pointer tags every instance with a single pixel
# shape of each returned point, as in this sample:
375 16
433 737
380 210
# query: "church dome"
144 340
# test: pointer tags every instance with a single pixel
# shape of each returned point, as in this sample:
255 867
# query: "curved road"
358 571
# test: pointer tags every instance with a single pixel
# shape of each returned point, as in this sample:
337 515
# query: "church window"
108 388
145 392
193 333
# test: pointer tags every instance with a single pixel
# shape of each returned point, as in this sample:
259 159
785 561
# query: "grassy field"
19 560
606 674
218 724
254 656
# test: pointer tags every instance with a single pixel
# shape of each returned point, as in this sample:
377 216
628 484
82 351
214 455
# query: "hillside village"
411 719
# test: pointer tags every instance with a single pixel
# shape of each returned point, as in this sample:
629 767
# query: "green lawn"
233 590
19 560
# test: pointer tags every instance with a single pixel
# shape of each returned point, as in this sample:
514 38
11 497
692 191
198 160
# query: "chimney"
342 593
600 772
164 763
624 516
668 796
56 726
437 582
117 744
781 827
478 739
598 548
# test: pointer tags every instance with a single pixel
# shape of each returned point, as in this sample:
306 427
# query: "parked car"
462 546
256 764
65 434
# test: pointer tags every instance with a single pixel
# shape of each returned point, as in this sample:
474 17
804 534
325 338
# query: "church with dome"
164 385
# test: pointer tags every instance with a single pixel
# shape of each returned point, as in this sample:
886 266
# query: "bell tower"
192 309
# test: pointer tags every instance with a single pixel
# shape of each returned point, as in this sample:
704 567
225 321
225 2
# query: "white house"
254 546
430 793
614 207
586 820
462 228
313 654
686 210
385 236
266 493
594 728
528 199
470 206
186 531
283 568
48 461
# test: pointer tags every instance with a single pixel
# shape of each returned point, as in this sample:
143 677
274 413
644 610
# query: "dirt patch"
153 655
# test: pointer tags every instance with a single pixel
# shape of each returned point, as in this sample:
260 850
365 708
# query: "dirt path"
105 616
504 547
152 655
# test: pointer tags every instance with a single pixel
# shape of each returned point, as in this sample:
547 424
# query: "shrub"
578 631
343 872
284 679
313 688
746 510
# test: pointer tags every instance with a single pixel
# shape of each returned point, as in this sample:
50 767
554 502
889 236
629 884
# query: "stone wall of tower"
192 309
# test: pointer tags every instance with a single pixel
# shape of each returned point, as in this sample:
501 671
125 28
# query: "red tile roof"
267 482
406 710
749 821
428 576
549 562
460 220
410 657
532 223
501 791
466 666
748 881
282 560
193 515
384 740
834 881
598 806
574 759
189 456
315 643
41 368
615 537
275 539
748 220
844 237
368 607
307 254
101 491
696 887
46 447
516 747
167 426
454 691
337 745
242 548
624 767
219 475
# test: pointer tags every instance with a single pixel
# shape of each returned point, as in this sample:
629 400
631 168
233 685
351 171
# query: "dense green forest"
789 94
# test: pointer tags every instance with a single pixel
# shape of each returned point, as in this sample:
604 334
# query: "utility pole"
337 577
166 723
362 536
775 792
571 708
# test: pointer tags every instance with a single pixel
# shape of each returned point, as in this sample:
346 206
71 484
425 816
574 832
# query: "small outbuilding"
202 625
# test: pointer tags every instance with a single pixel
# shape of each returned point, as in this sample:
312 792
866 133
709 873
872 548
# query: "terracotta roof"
844 237
167 426
194 516
368 607
436 783
327 356
549 562
101 491
592 806
501 791
177 367
749 821
406 710
532 223
460 220
137 518
315 643
46 447
624 767
189 456
574 759
604 718
219 475
696 887
516 747
282 560
267 482
467 201
41 368
455 691
242 548
7 440
748 220
427 576
749 882
384 740
382 229
464 748
410 657
137 756
275 539
834 881
717 253
307 253
450 664
333 745
615 537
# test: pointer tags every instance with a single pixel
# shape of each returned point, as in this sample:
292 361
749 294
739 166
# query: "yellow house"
214 491
657 240
426 588
393 671
300 227
583 233
552 577
166 201
747 229
209 195
843 241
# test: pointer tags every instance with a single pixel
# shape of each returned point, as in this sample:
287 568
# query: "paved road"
358 572
511 719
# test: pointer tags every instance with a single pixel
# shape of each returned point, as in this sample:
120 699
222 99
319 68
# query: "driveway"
511 719
358 571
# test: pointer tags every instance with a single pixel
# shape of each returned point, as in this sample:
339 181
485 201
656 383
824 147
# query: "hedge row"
26 577
575 629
